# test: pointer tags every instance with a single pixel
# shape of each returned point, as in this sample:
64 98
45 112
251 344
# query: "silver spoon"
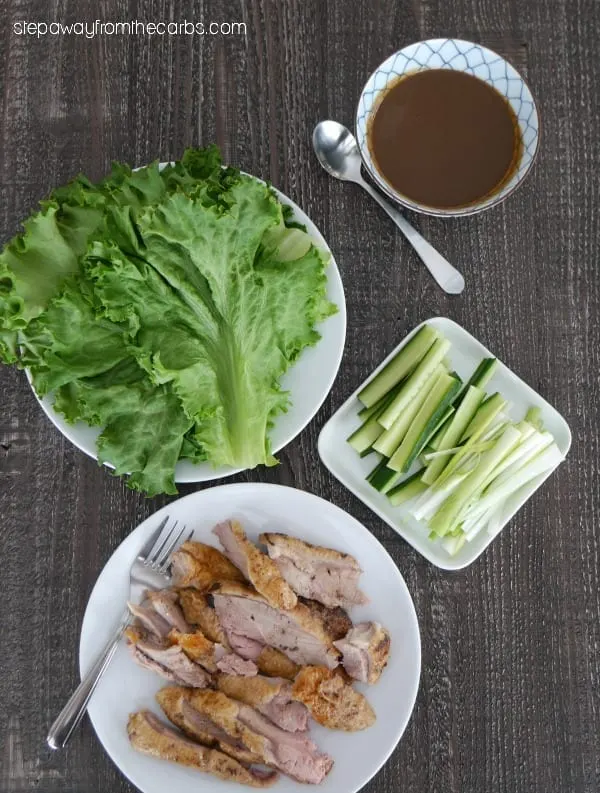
337 151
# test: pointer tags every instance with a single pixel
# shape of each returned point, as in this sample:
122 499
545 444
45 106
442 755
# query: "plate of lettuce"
178 322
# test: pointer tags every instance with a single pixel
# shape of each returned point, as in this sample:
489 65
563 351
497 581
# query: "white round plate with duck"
126 688
308 381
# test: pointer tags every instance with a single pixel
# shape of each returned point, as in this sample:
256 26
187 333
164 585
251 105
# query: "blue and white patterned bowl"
461 56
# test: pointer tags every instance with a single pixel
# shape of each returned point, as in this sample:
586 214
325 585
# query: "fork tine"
165 558
159 544
153 540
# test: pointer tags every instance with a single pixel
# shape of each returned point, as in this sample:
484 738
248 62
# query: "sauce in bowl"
444 139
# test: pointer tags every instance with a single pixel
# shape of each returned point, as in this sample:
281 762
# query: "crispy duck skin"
198 565
258 568
336 621
198 610
274 663
332 701
149 735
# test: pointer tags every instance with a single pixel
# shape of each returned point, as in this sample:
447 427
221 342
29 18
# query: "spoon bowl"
338 153
337 150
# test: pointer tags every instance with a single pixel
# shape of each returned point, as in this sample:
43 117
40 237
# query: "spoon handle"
444 273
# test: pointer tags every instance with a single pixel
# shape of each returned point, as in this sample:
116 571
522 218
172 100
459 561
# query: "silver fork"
150 570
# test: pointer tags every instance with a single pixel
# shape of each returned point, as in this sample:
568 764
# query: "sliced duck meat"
200 566
212 656
198 609
152 666
149 620
166 603
365 650
168 660
149 735
336 621
234 664
270 696
244 645
257 567
315 572
297 632
332 701
216 707
197 647
292 753
200 727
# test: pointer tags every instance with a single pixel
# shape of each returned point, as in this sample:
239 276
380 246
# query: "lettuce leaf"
164 306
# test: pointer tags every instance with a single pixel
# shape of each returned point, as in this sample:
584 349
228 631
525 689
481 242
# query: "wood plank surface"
510 691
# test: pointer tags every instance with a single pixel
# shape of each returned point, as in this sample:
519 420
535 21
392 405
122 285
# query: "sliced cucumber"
365 413
388 441
378 467
449 412
400 365
434 442
488 410
485 413
365 436
383 478
483 374
412 486
415 382
453 431
369 450
427 419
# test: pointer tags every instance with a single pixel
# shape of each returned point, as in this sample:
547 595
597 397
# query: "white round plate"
126 687
308 381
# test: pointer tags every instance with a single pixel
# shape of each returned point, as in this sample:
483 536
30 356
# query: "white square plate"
343 462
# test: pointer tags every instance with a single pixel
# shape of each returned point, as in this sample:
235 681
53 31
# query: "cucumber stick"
414 383
400 365
434 443
441 423
364 437
483 374
388 441
365 413
485 413
383 478
412 486
431 412
375 471
496 403
454 430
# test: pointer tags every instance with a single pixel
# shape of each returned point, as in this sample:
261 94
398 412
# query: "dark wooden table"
509 697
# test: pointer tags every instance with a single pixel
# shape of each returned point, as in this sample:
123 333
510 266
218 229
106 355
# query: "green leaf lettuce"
164 306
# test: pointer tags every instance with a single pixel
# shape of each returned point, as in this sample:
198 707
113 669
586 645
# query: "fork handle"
73 711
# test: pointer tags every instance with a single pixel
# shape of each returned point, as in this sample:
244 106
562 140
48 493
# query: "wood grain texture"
510 692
